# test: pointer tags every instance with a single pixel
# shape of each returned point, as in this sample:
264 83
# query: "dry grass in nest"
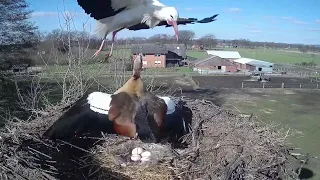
221 146
115 154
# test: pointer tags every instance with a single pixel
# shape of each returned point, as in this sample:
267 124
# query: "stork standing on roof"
116 15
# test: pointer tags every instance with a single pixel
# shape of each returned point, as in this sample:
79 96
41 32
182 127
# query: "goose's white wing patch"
170 103
99 102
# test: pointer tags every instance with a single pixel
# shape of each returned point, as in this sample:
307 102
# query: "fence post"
263 85
300 85
242 85
317 86
282 85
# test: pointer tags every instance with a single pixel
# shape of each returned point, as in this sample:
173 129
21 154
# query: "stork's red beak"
175 27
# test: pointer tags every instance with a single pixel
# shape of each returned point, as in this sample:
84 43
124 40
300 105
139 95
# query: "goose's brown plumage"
156 111
123 109
125 103
134 95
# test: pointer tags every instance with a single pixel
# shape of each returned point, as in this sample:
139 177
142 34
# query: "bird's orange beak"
175 27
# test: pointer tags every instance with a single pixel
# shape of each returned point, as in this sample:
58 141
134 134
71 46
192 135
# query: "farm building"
226 55
254 65
160 55
212 65
19 68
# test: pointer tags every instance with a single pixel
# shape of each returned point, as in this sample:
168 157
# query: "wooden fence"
280 85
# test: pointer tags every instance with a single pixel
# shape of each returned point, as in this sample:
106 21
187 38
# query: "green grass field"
297 110
260 54
270 55
277 56
197 54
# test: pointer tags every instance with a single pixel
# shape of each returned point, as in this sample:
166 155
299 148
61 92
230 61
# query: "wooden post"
263 85
242 85
317 86
282 85
300 85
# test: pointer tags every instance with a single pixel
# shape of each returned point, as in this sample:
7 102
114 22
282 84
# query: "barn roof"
149 49
179 49
19 66
253 62
243 60
213 61
225 54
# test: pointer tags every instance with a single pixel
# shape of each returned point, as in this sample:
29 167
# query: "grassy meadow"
297 110
271 55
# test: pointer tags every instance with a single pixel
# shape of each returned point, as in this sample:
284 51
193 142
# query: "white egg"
146 154
135 157
144 159
137 150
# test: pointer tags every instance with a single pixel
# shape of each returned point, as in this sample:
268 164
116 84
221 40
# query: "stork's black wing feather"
98 9
208 19
180 21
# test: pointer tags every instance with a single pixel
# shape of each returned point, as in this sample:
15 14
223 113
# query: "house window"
260 69
144 62
157 55
157 62
219 67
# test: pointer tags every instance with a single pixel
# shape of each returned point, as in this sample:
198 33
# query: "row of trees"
19 37
186 37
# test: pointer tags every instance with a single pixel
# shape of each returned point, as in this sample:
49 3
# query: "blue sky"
290 21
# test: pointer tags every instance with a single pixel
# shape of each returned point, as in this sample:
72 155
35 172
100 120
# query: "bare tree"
161 38
186 37
208 41
303 48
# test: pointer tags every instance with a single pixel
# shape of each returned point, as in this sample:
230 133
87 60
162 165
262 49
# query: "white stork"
115 15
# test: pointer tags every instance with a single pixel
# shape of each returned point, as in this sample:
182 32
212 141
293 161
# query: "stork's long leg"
113 37
101 46
99 50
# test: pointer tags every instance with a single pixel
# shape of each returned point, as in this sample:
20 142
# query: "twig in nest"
74 146
39 152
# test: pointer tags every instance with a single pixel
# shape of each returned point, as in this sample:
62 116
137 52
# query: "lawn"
277 56
197 54
270 55
298 110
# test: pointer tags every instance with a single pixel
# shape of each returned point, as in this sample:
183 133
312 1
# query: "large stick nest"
221 146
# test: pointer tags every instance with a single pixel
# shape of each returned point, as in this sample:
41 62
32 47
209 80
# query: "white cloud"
287 18
314 29
255 31
233 10
189 9
271 19
251 28
55 14
300 22
42 14
294 21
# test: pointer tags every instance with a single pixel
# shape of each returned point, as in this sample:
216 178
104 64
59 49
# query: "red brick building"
160 55
214 64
